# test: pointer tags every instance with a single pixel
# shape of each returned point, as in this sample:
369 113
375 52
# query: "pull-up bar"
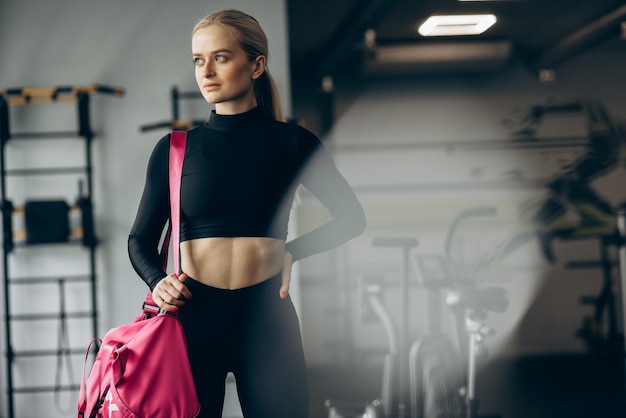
35 95
175 122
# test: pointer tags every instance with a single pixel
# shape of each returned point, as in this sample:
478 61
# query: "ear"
259 66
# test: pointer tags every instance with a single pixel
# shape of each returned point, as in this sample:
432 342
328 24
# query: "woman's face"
224 74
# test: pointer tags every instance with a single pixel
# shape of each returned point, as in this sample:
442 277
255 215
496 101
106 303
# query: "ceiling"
327 37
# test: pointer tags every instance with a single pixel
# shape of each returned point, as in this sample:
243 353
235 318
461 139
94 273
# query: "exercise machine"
442 373
392 401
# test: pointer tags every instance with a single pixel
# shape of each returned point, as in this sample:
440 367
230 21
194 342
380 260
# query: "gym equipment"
372 308
442 377
392 401
571 190
175 123
47 223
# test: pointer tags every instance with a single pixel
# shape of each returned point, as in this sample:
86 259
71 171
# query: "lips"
210 86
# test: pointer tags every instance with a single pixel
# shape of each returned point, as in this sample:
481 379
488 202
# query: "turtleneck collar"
252 117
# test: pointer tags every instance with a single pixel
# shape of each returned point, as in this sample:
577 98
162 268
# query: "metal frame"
27 96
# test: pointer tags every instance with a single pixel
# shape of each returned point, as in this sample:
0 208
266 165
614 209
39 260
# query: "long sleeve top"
240 173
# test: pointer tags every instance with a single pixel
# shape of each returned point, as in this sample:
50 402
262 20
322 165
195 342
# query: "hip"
237 309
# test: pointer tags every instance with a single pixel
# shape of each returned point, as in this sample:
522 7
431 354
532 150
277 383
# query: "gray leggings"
254 334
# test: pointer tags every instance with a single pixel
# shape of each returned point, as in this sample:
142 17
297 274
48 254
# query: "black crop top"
240 173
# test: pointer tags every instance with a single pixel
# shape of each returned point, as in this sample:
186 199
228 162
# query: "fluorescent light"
453 25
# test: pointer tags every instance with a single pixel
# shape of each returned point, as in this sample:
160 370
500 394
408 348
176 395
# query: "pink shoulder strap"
177 156
178 142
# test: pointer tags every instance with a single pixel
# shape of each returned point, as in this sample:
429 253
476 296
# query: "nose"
208 69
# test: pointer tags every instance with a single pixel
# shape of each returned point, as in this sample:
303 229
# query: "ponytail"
267 97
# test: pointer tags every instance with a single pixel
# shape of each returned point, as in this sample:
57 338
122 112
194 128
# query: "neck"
246 120
235 108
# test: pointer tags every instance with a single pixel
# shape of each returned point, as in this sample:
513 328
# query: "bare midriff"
232 263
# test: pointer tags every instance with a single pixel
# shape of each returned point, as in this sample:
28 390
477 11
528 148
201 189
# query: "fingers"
171 293
285 275
284 288
159 296
181 286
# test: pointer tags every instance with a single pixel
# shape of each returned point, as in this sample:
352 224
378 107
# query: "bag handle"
82 396
178 143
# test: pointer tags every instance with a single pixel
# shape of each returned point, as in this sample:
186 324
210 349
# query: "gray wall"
142 46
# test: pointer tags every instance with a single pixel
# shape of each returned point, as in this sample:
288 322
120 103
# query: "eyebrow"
217 51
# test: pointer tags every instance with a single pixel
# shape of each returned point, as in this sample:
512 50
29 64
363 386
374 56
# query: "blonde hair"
253 41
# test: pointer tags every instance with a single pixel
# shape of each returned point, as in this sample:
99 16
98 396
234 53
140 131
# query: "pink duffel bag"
142 368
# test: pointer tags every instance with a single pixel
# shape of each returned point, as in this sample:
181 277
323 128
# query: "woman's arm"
151 218
347 218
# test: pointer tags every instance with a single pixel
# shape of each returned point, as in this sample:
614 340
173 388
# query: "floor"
549 386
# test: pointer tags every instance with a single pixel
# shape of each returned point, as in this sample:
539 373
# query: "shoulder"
299 138
193 135
161 148
196 130
157 163
308 140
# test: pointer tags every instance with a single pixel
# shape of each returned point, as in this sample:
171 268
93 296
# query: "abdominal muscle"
232 263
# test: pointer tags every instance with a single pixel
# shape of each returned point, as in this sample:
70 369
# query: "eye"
197 61
220 58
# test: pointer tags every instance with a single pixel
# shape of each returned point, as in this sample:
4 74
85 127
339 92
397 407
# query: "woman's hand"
171 293
285 274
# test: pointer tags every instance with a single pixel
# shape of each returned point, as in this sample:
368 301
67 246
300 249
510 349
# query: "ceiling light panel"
456 25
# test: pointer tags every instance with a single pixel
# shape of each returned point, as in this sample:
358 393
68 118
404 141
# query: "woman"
240 173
